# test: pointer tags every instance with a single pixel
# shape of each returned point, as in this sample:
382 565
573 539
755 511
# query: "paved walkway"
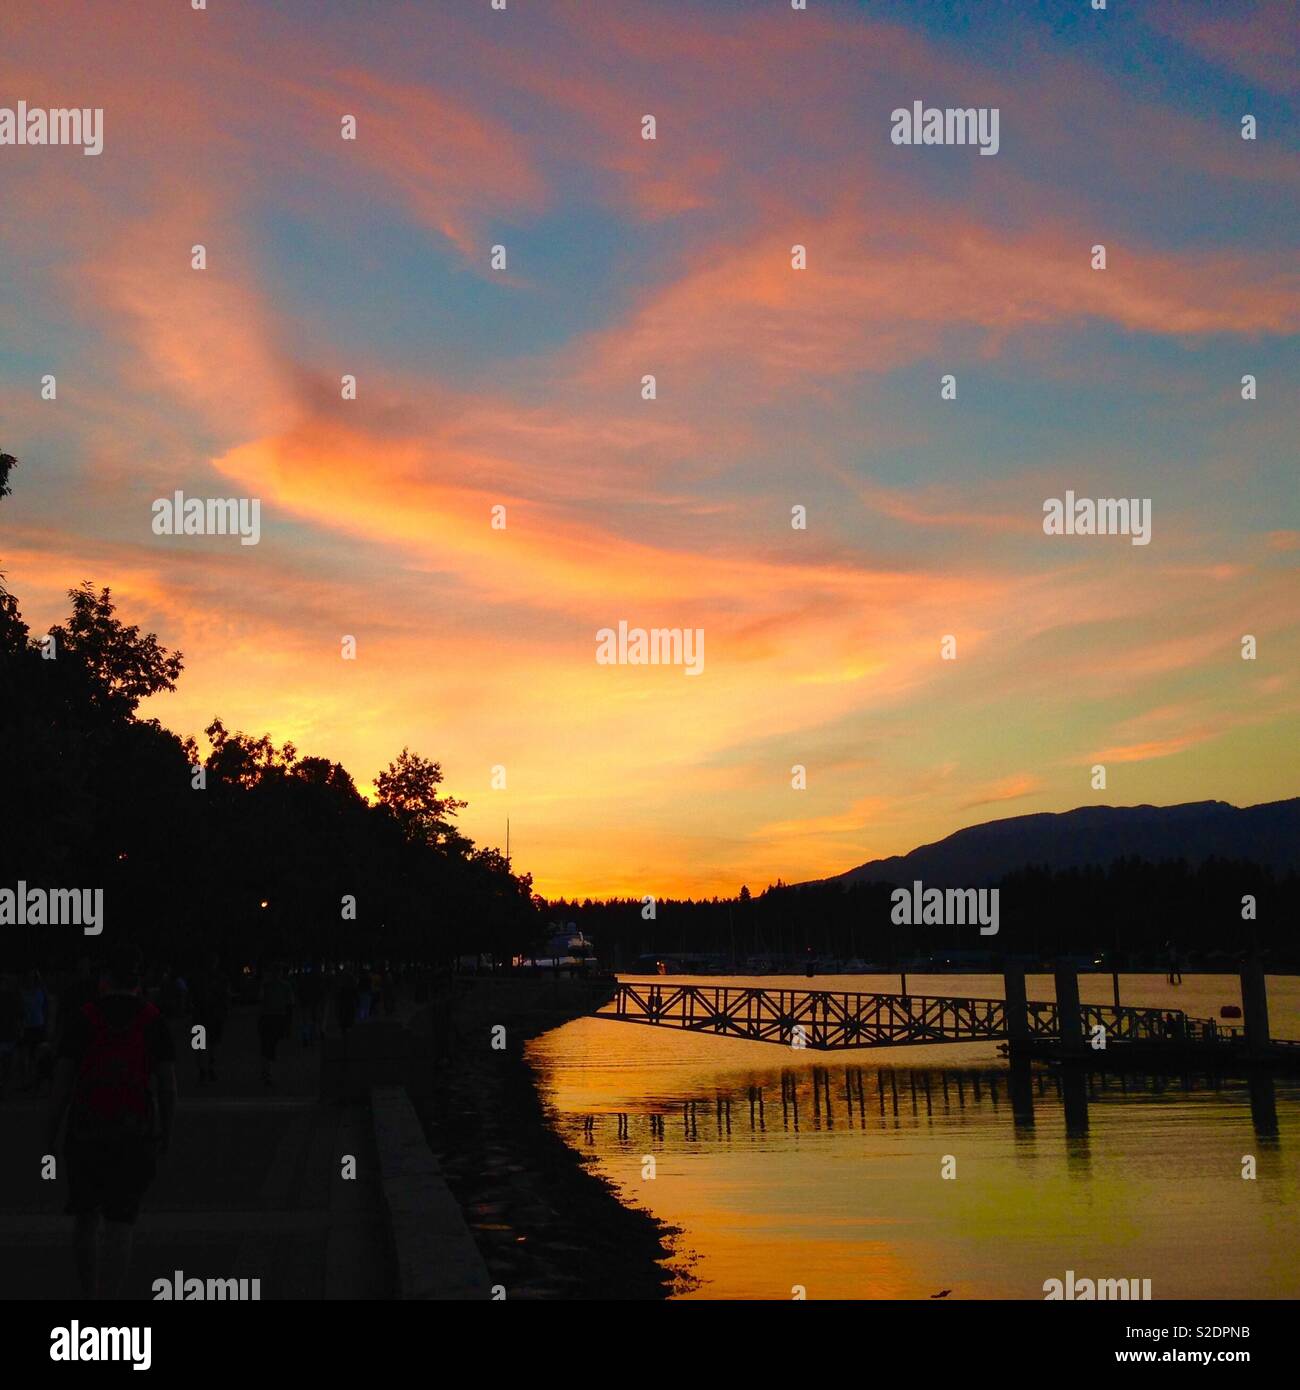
251 1187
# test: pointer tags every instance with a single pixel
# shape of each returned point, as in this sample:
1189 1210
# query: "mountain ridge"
1267 834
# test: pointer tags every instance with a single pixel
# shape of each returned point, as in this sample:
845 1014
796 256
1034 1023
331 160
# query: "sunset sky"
776 388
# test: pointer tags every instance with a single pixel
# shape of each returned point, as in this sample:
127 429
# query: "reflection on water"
787 1168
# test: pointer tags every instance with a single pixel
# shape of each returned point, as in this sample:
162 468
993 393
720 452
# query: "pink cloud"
1257 41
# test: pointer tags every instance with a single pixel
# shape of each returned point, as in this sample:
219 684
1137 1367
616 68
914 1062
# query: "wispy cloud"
776 388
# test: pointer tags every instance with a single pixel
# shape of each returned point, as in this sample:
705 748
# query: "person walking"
35 1010
78 988
329 992
310 991
11 1029
115 1084
211 997
388 988
173 995
275 1015
346 1002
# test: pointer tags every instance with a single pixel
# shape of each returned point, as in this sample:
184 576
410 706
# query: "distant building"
565 950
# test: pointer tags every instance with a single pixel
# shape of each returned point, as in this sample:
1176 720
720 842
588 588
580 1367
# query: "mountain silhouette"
1268 835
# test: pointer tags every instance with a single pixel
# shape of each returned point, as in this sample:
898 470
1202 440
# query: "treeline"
269 853
1130 908
264 854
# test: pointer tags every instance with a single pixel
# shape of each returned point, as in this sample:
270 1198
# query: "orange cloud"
453 168
877 294
1010 788
476 645
1158 748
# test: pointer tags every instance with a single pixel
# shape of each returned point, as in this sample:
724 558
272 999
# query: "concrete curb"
436 1255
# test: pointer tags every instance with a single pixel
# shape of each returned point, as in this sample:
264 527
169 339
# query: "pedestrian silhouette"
115 1083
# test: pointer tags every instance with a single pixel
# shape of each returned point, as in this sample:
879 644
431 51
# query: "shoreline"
546 1225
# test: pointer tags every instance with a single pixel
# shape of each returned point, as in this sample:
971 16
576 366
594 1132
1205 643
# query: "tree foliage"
408 791
251 849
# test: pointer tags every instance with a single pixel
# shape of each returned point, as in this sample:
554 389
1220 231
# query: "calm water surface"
785 1167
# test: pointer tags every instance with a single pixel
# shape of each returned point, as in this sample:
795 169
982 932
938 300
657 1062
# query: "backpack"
111 1096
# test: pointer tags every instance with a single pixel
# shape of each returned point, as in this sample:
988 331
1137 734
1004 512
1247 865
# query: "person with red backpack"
115 1082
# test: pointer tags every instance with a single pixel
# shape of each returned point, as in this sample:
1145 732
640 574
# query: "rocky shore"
546 1225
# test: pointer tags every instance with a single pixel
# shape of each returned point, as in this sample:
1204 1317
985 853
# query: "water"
834 1182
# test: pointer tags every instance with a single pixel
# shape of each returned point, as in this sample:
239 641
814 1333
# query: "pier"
1064 1030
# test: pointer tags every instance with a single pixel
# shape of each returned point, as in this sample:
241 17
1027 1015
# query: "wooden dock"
829 1020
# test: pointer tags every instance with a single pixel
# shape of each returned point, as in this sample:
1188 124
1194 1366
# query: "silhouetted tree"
254 858
408 791
123 666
